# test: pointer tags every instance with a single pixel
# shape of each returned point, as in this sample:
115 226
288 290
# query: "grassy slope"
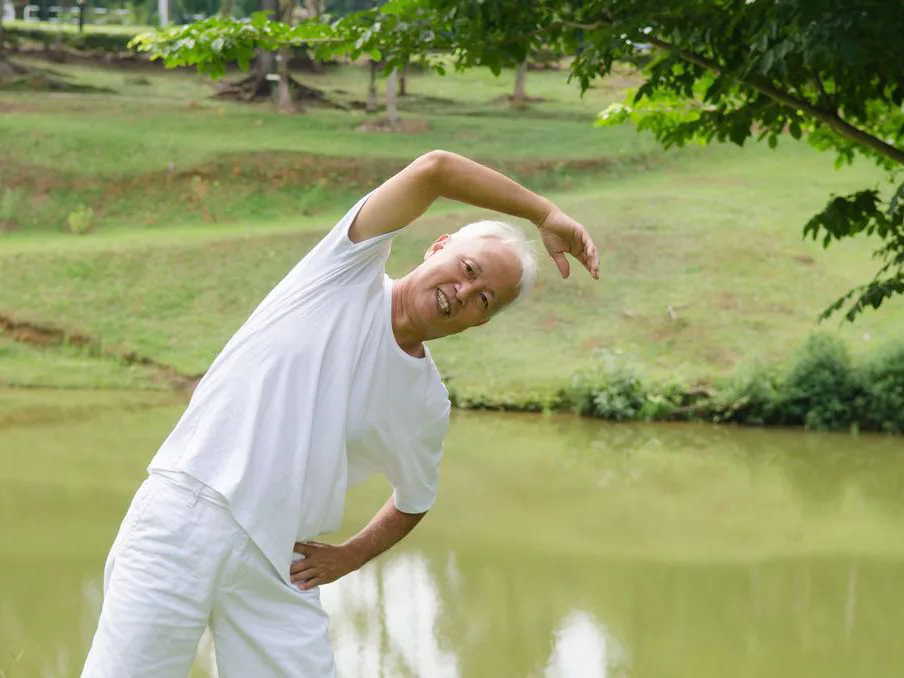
160 152
713 233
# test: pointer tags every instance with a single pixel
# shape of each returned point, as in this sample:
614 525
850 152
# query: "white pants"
180 563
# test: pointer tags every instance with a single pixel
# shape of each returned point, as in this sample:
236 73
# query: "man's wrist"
355 554
544 209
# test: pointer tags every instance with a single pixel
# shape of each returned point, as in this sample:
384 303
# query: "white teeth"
443 301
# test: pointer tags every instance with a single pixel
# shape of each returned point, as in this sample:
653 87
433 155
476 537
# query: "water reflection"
384 621
583 649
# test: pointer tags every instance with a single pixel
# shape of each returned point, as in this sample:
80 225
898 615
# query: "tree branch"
830 118
823 95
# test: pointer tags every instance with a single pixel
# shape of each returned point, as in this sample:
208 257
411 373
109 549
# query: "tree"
371 105
7 67
392 91
519 95
726 70
214 43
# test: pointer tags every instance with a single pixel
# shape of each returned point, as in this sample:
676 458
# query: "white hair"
517 242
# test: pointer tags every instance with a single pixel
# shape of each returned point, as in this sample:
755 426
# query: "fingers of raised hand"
562 264
589 256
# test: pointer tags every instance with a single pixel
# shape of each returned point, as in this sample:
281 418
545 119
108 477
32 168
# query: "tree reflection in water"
584 648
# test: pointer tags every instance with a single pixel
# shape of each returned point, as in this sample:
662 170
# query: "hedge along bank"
821 389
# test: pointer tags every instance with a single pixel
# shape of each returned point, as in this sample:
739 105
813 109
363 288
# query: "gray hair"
516 240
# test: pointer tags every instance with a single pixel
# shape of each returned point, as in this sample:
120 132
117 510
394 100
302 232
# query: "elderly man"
328 381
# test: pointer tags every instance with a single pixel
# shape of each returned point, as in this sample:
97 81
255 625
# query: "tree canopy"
726 70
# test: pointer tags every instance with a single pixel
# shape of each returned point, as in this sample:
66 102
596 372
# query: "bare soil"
36 334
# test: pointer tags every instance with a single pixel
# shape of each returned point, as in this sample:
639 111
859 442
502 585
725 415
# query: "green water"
558 547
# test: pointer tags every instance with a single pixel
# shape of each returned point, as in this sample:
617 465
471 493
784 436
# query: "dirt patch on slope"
277 168
37 334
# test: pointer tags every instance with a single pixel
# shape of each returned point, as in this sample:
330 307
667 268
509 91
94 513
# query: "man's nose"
465 292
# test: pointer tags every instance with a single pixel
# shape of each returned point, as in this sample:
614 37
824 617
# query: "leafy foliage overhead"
726 70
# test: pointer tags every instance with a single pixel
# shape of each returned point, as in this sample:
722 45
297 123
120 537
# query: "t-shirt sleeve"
334 262
414 470
337 255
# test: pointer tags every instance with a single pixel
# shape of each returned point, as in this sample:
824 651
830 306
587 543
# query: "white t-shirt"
311 395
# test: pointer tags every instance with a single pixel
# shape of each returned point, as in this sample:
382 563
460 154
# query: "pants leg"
264 627
158 584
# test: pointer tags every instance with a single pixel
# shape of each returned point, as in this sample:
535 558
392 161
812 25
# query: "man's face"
461 284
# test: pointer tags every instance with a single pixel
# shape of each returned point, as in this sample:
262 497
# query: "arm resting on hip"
325 563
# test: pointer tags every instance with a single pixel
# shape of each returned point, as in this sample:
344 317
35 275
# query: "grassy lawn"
201 206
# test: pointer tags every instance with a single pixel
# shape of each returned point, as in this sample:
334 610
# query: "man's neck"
408 339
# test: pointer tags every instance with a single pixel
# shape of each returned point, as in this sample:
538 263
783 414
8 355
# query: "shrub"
615 391
80 220
619 396
822 389
883 391
754 395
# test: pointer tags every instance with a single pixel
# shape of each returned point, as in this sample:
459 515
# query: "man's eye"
484 299
469 269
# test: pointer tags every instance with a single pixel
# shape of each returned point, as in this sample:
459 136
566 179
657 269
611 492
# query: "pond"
559 546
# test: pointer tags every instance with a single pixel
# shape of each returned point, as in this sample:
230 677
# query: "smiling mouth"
442 302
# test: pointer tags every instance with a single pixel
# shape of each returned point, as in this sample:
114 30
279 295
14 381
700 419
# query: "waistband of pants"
189 483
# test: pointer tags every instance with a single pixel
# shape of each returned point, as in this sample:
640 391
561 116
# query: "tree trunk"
519 96
403 90
6 67
371 105
314 8
163 12
266 61
392 90
284 91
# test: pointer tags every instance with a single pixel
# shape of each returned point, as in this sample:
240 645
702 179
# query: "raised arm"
407 195
325 563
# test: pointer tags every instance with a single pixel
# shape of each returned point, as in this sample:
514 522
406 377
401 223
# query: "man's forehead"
497 259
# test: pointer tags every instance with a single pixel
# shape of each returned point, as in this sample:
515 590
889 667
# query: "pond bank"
822 389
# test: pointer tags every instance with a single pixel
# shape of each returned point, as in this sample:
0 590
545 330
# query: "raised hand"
563 235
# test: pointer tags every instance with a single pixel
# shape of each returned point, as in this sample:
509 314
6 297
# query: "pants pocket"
137 508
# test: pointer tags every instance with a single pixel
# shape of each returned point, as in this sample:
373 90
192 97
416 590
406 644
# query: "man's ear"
437 245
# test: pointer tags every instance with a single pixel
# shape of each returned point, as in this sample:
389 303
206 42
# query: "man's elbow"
433 165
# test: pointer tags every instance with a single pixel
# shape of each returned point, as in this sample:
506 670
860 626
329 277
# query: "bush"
615 391
753 396
619 396
81 220
822 389
883 391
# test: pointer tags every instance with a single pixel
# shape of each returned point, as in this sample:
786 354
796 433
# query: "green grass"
176 262
69 367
